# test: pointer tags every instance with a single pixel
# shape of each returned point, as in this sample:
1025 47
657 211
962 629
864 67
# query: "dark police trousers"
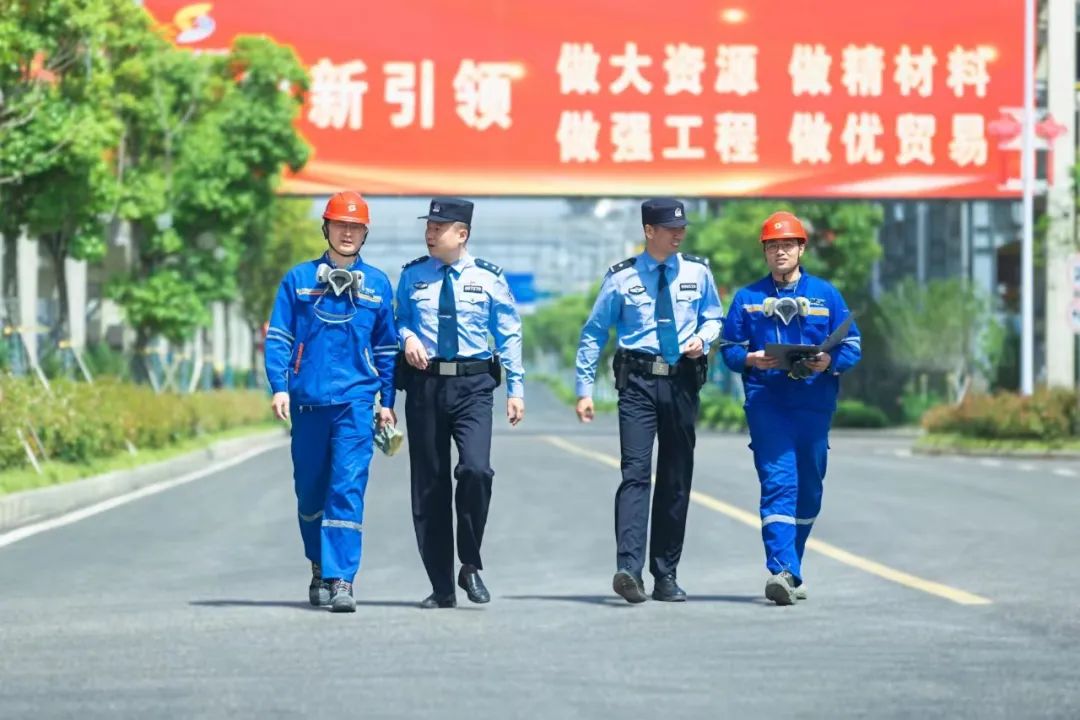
436 410
649 407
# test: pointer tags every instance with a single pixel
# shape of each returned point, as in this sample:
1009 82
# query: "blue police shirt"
484 305
747 329
627 300
326 349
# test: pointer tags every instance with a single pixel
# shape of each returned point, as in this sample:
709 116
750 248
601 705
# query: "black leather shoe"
469 581
665 589
629 586
434 601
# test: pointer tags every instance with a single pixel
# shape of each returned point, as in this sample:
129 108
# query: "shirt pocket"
640 310
366 310
686 306
474 305
425 305
816 328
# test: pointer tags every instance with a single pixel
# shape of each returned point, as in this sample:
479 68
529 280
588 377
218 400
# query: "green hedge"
857 414
1047 415
720 411
78 421
724 412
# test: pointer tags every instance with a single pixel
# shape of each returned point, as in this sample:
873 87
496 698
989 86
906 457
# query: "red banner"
844 98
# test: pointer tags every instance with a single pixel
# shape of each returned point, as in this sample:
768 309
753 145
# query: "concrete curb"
999 453
28 506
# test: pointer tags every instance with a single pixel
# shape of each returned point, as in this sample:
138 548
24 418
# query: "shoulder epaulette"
418 260
620 266
490 267
696 258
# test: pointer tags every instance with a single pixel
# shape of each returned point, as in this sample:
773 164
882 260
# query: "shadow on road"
302 605
298 604
611 600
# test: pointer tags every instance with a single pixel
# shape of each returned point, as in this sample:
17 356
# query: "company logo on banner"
193 23
841 99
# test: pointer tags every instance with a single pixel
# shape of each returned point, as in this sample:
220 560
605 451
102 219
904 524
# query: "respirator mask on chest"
786 308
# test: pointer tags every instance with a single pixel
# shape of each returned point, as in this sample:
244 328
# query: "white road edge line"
21 533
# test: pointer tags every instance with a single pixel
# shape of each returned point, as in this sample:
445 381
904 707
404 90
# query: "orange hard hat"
782 225
347 206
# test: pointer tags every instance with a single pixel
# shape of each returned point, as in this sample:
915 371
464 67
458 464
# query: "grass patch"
955 442
57 472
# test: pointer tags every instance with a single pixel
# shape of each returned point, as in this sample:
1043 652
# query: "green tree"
290 236
207 138
555 328
56 126
943 329
842 246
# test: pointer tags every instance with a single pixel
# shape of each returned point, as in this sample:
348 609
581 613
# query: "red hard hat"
347 206
782 225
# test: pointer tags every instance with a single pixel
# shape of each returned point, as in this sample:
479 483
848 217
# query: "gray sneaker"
341 598
780 589
319 590
800 592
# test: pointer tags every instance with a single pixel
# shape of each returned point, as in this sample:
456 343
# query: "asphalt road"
939 588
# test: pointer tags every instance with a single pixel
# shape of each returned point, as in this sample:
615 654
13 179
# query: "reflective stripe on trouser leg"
811 457
773 443
350 454
311 474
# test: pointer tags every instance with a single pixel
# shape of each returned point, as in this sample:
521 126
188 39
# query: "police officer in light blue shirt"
448 303
666 313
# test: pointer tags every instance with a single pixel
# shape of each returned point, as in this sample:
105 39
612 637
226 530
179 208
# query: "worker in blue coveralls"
789 412
666 313
448 302
330 349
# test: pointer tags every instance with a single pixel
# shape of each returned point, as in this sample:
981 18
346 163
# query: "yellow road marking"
961 597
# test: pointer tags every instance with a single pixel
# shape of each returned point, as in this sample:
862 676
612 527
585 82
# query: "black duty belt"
646 364
457 368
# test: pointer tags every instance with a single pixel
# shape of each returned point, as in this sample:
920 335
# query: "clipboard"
788 354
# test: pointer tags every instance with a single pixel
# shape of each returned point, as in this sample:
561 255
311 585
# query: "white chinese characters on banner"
336 99
915 72
577 136
401 90
578 66
631 64
863 68
809 70
736 69
916 136
483 93
683 150
631 134
684 65
860 138
967 67
736 137
809 138
968 145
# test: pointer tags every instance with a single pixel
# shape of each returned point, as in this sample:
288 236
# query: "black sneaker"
780 588
341 598
319 590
